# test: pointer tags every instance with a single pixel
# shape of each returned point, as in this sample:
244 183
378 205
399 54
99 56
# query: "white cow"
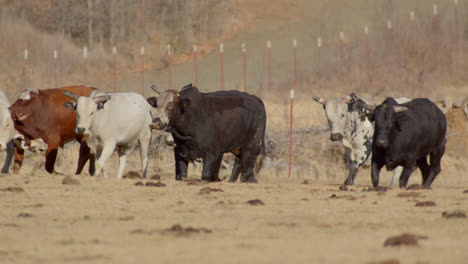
9 136
113 121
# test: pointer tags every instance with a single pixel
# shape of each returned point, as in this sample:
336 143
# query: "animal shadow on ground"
405 239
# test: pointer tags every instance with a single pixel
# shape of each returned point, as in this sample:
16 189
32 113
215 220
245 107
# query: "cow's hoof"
252 180
216 180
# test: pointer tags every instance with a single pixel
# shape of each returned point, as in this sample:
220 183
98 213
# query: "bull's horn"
101 98
370 107
400 108
155 89
320 100
71 95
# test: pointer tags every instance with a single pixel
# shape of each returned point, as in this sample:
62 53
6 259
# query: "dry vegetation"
305 218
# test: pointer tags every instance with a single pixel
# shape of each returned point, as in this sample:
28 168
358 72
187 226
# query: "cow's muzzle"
336 137
381 143
80 130
158 124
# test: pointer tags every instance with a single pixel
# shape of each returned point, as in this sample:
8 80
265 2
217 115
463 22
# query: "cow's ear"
400 119
186 103
153 101
101 100
320 100
70 105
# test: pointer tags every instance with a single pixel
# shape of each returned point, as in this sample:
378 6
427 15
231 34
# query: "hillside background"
423 59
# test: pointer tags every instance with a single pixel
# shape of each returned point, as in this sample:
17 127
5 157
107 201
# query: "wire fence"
409 57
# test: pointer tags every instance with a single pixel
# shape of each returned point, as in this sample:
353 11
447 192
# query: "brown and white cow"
40 114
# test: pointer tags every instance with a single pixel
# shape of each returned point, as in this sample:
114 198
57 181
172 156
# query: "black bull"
405 135
207 125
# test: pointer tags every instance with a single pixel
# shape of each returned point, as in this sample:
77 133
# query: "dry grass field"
306 218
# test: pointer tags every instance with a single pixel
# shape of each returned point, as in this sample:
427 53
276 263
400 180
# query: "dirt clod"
343 188
255 202
305 182
465 191
405 239
425 203
179 230
208 190
156 177
126 218
375 189
132 175
155 184
346 196
70 181
455 214
150 184
408 195
24 215
12 189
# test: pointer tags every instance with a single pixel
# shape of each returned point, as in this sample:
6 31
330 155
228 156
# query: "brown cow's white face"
166 105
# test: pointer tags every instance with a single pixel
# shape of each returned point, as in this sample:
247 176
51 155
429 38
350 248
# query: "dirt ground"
302 219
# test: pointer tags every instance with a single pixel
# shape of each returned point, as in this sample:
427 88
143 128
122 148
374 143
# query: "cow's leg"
353 168
424 168
181 165
209 164
83 157
396 175
434 158
407 170
144 142
375 171
105 154
236 169
51 155
10 152
215 176
247 164
19 156
122 153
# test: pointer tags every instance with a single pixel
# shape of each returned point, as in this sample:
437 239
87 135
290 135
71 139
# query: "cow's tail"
259 163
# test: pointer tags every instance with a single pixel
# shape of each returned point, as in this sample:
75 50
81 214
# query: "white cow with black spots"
349 123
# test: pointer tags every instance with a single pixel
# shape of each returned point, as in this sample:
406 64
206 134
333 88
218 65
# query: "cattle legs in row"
84 156
211 164
244 165
181 164
9 157
353 168
435 157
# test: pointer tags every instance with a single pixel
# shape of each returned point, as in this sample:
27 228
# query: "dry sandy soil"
302 219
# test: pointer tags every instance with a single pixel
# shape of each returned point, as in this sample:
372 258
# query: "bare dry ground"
304 218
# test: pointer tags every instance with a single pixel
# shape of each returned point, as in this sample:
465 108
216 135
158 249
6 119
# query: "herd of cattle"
399 133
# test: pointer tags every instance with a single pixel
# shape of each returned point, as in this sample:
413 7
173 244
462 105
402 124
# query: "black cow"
207 125
405 134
